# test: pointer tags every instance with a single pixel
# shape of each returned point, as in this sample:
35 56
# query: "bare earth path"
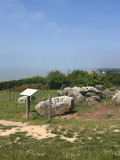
36 131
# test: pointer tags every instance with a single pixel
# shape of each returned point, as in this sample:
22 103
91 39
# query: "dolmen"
84 95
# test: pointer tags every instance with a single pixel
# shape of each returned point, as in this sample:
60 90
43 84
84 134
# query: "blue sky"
59 34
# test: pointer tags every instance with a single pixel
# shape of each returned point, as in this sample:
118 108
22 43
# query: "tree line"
55 79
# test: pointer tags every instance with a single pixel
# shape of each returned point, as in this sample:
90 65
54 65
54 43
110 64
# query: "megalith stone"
60 105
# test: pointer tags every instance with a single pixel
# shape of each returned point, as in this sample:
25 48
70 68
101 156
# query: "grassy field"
95 139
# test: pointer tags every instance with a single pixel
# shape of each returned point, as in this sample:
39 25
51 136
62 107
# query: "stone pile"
84 95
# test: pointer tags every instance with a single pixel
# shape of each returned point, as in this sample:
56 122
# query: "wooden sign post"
50 107
27 107
28 92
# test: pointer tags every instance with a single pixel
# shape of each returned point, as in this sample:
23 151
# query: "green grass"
3 128
95 139
84 109
11 110
44 94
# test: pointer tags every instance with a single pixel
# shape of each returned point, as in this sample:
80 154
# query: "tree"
78 78
55 79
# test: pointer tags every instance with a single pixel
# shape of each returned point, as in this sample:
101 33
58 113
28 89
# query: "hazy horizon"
16 74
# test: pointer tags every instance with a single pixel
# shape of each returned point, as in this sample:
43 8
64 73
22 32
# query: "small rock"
90 94
108 93
60 93
80 99
22 99
91 102
100 87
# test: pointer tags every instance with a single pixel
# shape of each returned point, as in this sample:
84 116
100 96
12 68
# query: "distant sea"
15 74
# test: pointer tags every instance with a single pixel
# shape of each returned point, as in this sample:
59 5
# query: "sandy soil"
35 131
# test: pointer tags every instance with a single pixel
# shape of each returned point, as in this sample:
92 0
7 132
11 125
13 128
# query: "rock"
22 99
100 87
108 93
60 105
90 94
116 98
80 99
70 94
114 88
67 90
80 94
76 90
92 102
85 90
101 95
60 93
71 91
96 98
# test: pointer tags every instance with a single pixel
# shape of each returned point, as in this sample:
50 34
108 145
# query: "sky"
43 35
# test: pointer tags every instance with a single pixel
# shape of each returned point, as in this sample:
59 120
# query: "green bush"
55 79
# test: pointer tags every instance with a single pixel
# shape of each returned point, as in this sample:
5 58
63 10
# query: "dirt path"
102 112
36 131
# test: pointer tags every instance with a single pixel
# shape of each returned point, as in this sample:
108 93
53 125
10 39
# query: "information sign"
28 92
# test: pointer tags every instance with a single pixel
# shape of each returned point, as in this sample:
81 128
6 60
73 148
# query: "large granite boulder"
60 105
116 98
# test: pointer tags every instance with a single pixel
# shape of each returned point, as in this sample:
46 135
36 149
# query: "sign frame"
28 92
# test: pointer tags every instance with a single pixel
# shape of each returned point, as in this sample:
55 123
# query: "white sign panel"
28 92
